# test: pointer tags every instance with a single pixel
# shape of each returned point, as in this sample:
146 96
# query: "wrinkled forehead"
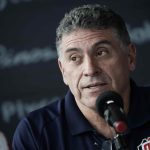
85 36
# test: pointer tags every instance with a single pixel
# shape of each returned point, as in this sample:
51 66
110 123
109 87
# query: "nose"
91 67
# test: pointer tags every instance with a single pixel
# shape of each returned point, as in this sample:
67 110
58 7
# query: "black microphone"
110 106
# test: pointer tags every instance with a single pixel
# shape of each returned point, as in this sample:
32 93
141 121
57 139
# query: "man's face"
92 62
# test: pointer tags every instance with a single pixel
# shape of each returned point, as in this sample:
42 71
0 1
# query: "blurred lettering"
140 35
20 108
8 58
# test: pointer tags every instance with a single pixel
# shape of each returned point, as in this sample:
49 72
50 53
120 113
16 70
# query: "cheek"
120 76
118 70
72 78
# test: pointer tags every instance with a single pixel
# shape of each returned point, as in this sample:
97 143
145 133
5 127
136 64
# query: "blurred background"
29 74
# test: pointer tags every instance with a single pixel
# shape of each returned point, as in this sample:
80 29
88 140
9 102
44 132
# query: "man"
95 55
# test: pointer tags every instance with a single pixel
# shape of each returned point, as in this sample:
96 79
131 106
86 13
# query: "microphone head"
106 97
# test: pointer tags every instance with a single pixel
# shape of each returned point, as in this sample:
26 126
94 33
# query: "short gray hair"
92 17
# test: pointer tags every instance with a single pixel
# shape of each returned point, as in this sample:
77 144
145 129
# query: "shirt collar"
77 123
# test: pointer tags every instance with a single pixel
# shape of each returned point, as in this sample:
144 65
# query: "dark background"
29 75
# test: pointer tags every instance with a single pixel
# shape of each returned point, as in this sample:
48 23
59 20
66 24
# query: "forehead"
82 37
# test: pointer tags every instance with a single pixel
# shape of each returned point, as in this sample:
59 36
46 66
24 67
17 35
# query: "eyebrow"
73 49
102 42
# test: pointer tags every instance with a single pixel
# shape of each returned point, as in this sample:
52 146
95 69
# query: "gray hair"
92 17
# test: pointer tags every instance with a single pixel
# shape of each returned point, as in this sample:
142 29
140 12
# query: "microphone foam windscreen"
101 102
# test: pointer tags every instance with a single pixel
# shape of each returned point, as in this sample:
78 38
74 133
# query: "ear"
132 57
62 71
60 65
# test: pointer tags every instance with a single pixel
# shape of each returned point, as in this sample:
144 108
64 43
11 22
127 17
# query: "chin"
90 103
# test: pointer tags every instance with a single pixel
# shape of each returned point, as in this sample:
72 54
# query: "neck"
126 98
97 121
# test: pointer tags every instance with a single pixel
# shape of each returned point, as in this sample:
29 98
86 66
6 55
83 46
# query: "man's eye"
101 52
75 58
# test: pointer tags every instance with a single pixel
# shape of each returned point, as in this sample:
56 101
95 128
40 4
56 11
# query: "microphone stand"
120 143
114 118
